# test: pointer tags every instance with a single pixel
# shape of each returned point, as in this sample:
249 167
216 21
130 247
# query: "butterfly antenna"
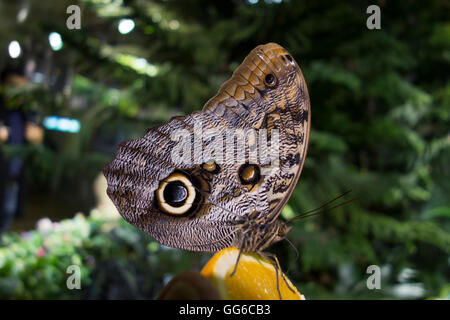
318 210
297 255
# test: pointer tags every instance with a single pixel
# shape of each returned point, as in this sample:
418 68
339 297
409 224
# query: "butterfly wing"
185 203
248 100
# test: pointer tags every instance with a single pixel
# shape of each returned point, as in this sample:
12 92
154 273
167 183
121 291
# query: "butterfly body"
207 204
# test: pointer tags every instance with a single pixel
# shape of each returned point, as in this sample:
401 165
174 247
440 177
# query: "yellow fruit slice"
255 277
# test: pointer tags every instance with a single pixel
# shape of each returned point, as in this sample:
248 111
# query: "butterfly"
220 177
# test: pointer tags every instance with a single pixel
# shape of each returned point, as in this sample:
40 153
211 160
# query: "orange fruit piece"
254 279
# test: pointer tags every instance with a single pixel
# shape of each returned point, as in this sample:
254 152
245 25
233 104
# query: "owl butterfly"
212 204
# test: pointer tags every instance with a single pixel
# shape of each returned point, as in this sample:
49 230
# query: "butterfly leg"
238 258
274 260
269 258
282 274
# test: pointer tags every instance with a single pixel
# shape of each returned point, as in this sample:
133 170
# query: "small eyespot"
211 167
176 194
249 174
270 80
289 58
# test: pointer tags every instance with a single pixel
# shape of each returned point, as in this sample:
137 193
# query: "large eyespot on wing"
176 195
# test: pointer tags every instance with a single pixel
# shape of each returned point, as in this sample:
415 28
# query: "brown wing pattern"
267 91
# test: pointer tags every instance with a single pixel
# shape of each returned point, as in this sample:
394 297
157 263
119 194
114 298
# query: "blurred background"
380 126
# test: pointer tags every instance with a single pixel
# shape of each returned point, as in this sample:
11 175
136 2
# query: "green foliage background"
380 126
